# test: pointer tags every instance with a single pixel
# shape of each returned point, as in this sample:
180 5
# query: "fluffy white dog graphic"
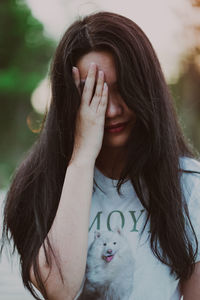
109 269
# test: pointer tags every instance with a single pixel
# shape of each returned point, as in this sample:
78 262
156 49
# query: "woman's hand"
91 115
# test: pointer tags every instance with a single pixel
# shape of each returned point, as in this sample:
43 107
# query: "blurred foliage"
25 52
195 3
186 92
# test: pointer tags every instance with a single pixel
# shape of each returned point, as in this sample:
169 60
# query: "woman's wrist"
82 160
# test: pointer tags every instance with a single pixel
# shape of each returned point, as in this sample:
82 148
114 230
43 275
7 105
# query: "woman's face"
117 110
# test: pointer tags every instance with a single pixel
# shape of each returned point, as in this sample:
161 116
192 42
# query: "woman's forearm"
69 233
190 289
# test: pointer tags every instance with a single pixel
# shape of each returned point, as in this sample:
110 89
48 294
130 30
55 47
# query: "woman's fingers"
104 100
89 84
97 99
76 77
98 91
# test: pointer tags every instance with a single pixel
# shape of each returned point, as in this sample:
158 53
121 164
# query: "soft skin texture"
191 288
113 147
69 234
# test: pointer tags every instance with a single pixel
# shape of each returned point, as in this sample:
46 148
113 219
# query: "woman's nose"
114 108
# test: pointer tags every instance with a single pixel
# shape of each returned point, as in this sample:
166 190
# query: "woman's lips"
116 129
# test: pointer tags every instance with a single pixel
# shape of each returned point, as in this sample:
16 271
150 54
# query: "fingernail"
74 68
92 64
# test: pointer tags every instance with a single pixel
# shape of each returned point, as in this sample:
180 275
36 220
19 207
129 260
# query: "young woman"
105 205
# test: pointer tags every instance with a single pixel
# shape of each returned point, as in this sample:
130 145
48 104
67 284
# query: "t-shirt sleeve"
192 197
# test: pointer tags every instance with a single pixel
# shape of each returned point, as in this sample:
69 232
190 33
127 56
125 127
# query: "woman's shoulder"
189 164
190 182
191 187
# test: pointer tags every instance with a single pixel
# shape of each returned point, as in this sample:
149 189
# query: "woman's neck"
111 162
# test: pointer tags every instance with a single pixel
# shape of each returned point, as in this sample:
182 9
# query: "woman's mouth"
116 129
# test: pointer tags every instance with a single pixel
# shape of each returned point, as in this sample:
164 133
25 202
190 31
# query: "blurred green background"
25 53
24 56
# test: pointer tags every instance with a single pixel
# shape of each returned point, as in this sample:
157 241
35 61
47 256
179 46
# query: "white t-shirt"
120 263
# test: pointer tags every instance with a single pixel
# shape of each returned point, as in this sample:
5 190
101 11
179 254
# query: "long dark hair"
155 146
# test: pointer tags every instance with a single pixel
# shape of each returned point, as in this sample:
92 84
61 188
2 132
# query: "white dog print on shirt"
110 266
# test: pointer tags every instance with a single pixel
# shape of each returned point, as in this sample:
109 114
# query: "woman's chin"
115 141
